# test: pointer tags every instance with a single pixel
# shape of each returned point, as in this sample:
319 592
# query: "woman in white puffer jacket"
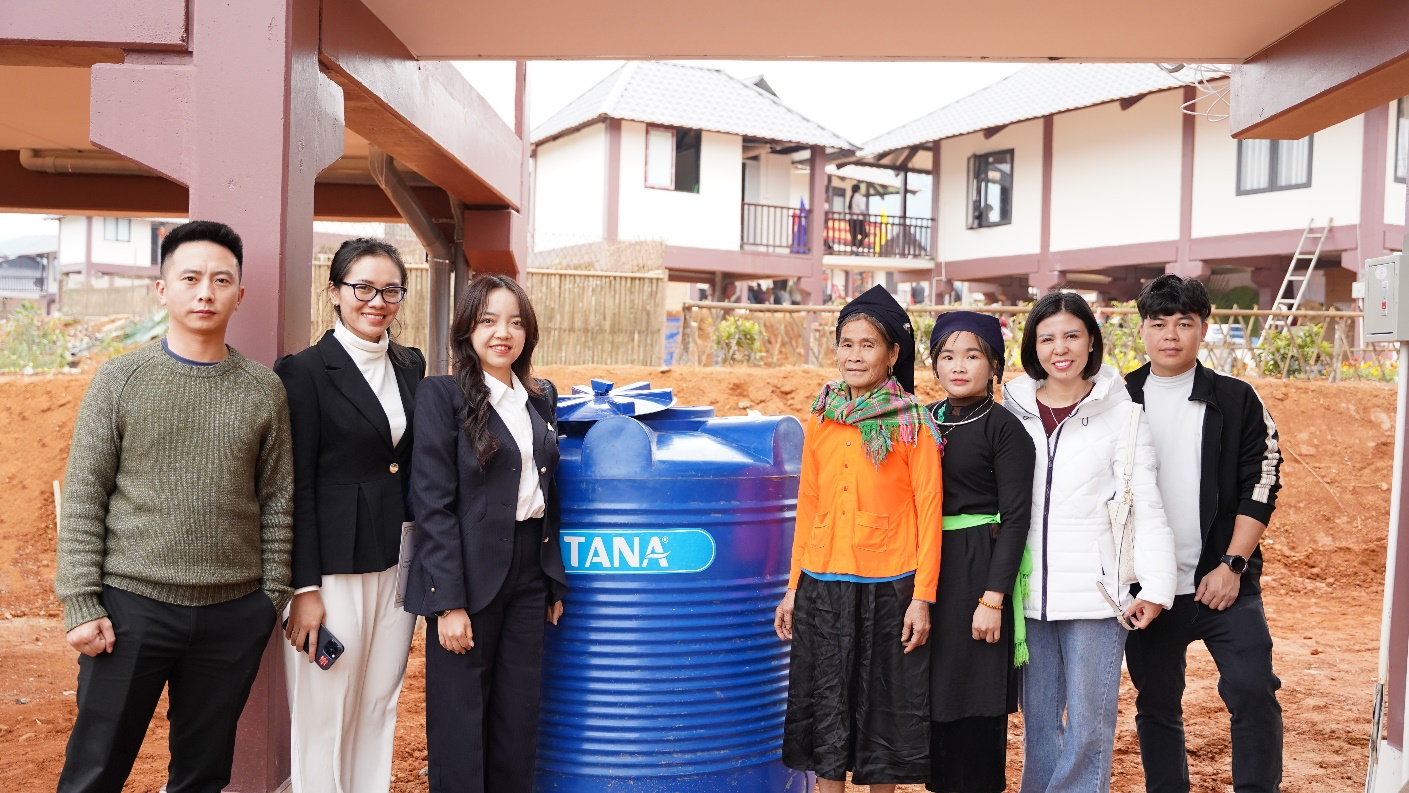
1078 412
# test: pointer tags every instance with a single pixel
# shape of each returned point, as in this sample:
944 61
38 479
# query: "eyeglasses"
365 292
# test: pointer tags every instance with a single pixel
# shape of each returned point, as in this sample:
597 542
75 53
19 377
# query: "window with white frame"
673 159
1267 165
1401 145
117 229
991 191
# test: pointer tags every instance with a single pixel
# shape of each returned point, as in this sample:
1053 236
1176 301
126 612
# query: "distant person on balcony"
865 564
351 399
978 627
858 208
1219 472
173 551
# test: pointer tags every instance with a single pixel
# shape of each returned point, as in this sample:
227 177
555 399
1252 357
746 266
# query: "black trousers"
1241 646
207 657
482 707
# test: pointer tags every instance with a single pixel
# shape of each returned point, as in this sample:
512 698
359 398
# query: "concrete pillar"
245 120
1046 281
1267 282
1189 269
811 284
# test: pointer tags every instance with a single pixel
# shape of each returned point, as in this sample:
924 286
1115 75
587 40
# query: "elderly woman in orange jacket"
865 564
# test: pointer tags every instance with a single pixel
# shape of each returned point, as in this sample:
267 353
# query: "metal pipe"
439 250
83 162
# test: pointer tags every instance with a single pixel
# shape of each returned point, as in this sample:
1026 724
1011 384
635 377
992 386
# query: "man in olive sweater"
174 541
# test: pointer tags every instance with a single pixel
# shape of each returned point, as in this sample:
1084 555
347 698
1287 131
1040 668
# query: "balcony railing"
856 234
774 228
784 230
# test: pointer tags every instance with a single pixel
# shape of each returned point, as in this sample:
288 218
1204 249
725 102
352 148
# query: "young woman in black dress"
988 466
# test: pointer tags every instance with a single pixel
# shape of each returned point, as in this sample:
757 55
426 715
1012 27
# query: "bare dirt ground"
1325 567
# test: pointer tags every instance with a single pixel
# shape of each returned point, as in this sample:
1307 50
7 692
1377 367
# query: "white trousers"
344 718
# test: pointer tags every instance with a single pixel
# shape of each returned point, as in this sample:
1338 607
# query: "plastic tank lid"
603 400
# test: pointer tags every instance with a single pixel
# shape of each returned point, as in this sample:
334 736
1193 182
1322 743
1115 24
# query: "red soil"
1324 575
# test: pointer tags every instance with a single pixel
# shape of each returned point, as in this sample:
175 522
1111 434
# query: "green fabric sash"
1021 587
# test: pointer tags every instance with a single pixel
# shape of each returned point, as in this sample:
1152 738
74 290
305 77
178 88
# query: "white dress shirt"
512 406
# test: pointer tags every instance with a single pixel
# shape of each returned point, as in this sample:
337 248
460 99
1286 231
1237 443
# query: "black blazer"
349 481
464 516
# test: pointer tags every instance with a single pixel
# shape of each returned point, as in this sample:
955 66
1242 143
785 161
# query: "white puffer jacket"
1071 534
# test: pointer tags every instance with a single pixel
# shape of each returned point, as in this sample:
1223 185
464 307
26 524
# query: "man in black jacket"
1213 437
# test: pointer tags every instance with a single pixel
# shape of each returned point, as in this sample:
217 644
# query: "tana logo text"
637 551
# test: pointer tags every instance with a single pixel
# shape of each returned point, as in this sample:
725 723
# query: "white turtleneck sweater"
1177 425
372 360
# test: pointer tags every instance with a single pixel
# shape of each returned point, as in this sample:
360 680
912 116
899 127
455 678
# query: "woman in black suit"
351 401
487 566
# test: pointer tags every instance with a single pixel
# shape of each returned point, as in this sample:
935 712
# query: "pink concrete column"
813 283
1047 278
1189 269
246 120
1267 282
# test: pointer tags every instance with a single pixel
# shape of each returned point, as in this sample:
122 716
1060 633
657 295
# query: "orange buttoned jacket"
856 519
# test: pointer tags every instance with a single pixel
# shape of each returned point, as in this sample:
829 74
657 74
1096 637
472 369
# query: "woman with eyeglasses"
351 398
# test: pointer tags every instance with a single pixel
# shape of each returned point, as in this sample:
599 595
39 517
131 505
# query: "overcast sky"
857 100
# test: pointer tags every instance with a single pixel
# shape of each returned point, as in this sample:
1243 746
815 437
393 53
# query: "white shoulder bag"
1121 509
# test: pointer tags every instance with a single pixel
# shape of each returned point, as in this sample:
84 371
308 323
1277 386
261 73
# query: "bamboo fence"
1245 342
605 318
137 300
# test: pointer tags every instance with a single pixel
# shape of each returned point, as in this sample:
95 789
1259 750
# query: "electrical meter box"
1384 285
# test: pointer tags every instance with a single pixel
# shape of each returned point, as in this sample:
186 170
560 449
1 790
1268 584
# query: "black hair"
875 323
1171 294
1049 305
995 358
855 187
348 254
204 231
469 372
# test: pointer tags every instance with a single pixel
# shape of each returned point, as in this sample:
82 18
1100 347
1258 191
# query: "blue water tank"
664 675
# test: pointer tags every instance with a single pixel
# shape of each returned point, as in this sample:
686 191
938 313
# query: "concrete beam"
424 114
144 25
1344 62
131 195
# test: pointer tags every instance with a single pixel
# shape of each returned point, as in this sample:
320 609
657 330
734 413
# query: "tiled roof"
660 92
1032 92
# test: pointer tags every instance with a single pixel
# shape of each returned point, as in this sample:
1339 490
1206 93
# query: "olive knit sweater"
179 485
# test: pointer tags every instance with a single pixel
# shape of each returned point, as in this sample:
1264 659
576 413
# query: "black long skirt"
856 701
969 755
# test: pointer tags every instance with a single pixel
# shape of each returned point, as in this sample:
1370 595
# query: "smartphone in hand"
329 648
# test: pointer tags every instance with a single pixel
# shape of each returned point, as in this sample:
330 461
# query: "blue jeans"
1075 669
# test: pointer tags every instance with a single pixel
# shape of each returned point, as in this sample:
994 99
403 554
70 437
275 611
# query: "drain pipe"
81 162
439 250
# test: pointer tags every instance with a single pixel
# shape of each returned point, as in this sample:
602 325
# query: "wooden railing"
1319 345
856 234
774 228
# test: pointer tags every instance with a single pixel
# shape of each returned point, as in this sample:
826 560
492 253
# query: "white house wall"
1115 174
73 239
775 187
957 242
707 219
136 252
1394 191
570 188
1334 190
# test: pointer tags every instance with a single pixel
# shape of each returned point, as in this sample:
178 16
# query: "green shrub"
32 342
1121 334
923 324
738 340
1275 347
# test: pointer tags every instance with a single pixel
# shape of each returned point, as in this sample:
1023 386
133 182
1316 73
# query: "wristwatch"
1238 564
